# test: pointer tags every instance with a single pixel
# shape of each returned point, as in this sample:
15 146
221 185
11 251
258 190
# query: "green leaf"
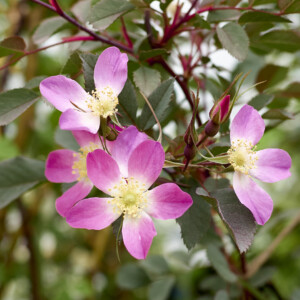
73 65
292 91
144 55
155 264
277 114
127 105
15 102
220 264
88 62
199 22
65 139
159 101
12 45
18 175
196 220
34 82
260 101
47 28
222 295
106 12
161 289
222 15
271 75
283 40
8 148
146 79
257 16
234 39
293 8
237 218
131 276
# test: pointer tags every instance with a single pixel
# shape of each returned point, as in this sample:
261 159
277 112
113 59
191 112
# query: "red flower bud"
220 110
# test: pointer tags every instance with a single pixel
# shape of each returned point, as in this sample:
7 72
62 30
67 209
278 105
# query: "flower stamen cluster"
103 103
129 197
242 156
79 165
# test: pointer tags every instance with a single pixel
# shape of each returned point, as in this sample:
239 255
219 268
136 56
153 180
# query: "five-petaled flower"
269 165
68 166
81 110
134 165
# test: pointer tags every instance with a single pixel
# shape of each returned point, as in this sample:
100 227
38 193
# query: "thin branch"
125 34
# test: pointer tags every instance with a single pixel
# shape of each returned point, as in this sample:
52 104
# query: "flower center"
129 197
242 156
79 165
103 103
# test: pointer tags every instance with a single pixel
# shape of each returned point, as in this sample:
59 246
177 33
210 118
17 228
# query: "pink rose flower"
269 165
81 110
126 176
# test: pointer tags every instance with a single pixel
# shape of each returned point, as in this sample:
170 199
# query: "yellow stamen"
103 103
79 165
242 156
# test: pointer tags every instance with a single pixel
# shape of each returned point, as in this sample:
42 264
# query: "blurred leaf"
196 220
144 55
18 175
88 62
12 45
155 264
146 79
212 184
284 4
283 40
234 39
161 289
237 218
106 12
277 114
73 65
65 139
293 8
258 16
220 264
34 82
15 102
128 105
47 28
131 276
159 101
8 148
222 295
223 15
199 22
271 75
292 91
260 101
81 10
262 276
163 4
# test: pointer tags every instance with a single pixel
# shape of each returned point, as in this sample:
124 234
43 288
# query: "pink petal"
224 104
60 91
91 213
253 197
70 197
111 70
168 201
125 143
247 124
73 119
272 165
102 170
85 138
59 166
138 234
146 162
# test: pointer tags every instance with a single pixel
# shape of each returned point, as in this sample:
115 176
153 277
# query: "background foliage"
173 51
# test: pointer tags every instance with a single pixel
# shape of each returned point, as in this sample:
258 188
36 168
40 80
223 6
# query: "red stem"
125 34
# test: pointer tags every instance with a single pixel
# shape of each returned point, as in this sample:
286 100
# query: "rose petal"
111 70
253 197
138 234
247 124
76 120
168 201
91 213
102 170
60 91
85 138
59 166
146 162
272 165
70 197
125 143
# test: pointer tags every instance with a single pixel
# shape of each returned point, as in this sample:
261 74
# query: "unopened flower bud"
219 112
211 128
112 135
189 152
